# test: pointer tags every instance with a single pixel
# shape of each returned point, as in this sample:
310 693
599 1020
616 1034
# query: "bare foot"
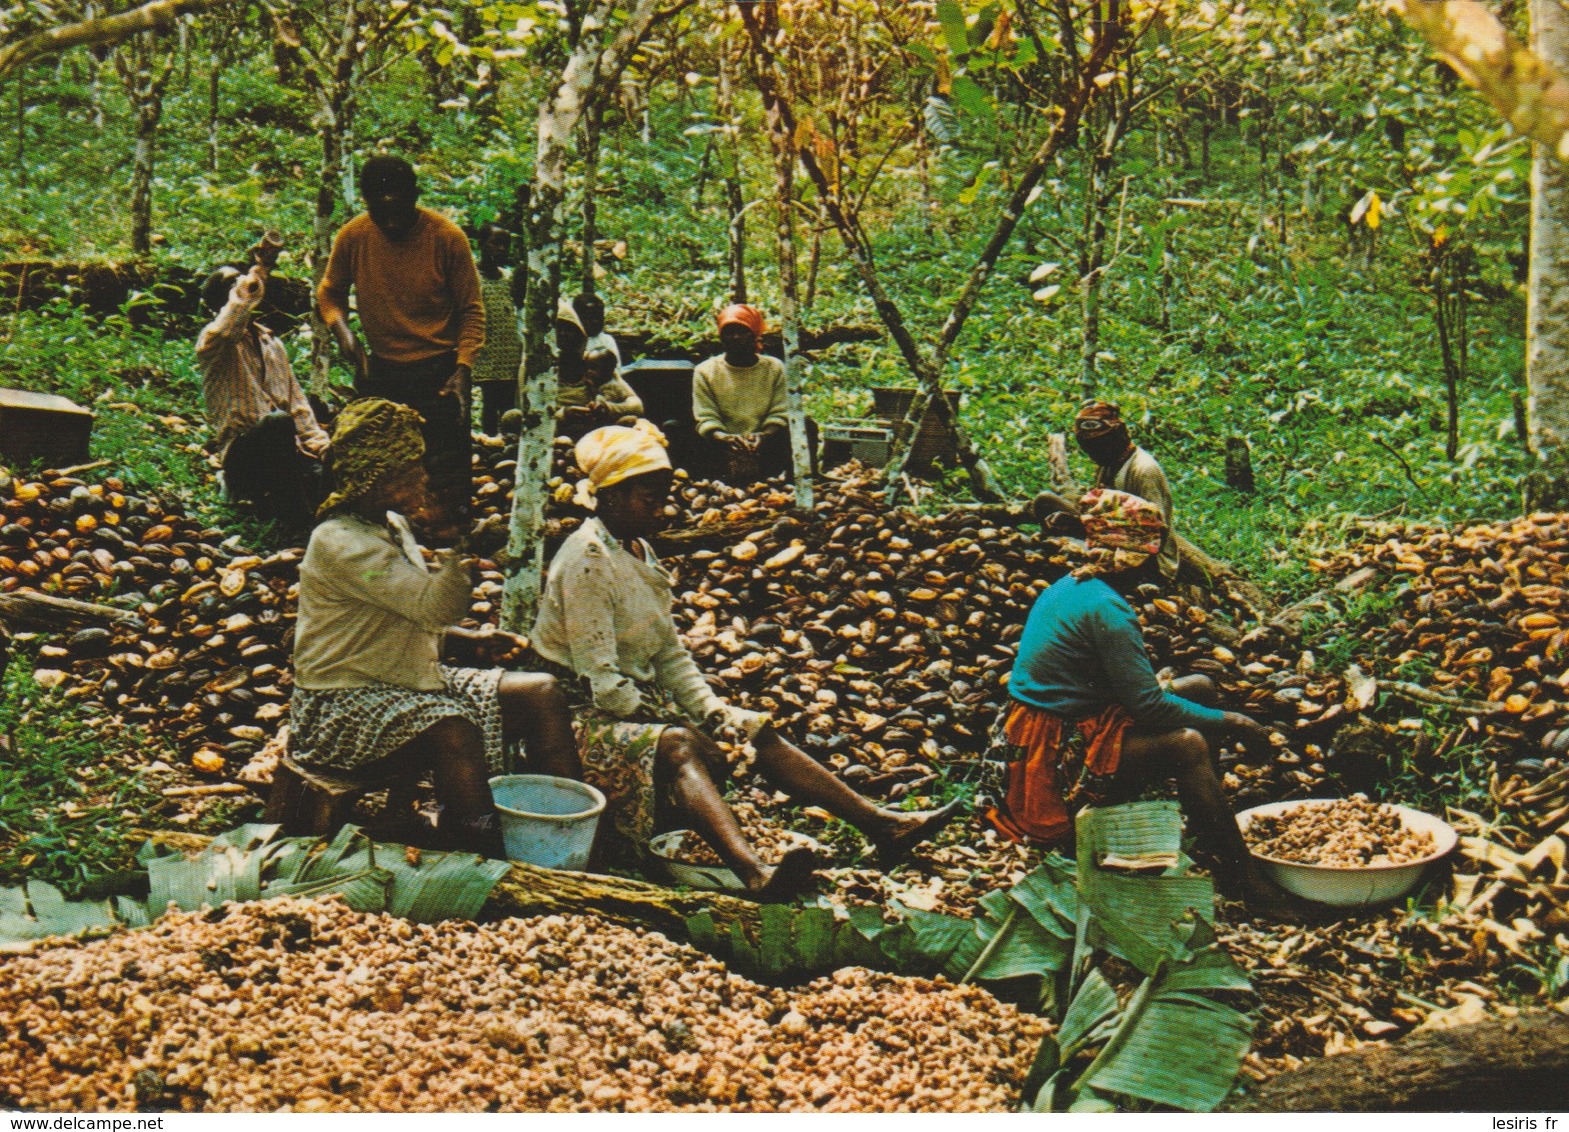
790 878
914 829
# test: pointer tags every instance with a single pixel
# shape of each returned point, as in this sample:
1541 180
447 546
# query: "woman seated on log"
648 717
1089 724
371 697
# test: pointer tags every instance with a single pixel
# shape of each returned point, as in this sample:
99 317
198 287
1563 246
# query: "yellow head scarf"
614 453
371 438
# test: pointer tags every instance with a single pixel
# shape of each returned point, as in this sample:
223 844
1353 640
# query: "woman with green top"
371 694
1088 723
648 717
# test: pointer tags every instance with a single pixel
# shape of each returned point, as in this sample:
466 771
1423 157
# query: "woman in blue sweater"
1089 724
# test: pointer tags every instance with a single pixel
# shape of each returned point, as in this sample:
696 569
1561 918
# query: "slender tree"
599 53
1547 311
145 67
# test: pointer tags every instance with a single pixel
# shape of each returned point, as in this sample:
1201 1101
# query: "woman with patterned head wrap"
739 402
1124 466
372 697
1089 724
648 717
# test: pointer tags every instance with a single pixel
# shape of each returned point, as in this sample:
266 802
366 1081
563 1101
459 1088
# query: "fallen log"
21 609
1495 1066
528 890
658 344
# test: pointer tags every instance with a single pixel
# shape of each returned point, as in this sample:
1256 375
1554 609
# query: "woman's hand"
1250 731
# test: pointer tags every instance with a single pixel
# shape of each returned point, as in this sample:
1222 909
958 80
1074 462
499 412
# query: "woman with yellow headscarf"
372 697
647 716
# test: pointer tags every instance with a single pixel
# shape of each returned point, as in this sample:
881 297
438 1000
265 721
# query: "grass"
69 793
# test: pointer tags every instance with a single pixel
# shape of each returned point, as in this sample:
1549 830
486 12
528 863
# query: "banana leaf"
1183 1051
38 911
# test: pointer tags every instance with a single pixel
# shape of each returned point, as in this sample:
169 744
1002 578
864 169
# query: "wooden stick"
204 791
29 607
78 469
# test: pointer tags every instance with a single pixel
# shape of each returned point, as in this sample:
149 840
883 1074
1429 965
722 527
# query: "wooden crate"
935 440
43 428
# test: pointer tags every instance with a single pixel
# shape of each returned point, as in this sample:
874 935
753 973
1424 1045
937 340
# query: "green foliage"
253 863
69 797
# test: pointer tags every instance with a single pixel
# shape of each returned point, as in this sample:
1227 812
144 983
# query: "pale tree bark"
790 308
592 71
159 15
1529 88
145 76
1547 309
592 122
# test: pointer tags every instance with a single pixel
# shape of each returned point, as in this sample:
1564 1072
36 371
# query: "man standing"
418 297
268 439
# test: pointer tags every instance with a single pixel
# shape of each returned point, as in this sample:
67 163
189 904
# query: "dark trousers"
496 399
265 468
772 458
448 441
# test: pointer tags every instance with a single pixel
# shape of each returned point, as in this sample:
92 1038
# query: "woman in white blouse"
371 695
647 716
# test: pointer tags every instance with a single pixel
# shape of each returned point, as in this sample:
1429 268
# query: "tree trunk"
591 126
1501 1065
1547 311
590 74
1239 464
329 175
789 291
735 198
148 111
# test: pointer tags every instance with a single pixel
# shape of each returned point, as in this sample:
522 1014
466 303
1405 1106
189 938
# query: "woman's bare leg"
534 710
683 762
468 820
806 780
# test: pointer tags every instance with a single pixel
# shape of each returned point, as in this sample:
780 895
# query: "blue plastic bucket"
547 821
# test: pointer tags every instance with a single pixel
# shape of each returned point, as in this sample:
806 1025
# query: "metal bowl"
665 848
1350 886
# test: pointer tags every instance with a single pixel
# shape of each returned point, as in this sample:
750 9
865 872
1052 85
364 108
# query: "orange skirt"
1053 769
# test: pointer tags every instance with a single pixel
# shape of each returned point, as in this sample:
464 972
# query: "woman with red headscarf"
738 400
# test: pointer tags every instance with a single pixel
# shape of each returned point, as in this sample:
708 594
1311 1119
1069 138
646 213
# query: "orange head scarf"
747 316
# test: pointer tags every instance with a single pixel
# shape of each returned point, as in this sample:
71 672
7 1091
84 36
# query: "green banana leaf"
1183 1052
38 911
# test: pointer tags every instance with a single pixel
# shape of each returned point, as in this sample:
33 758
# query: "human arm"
332 303
677 673
468 302
359 564
705 408
488 645
313 438
235 318
778 417
1119 647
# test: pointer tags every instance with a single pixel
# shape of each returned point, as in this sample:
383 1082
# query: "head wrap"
566 312
615 453
371 438
1121 531
1097 418
743 315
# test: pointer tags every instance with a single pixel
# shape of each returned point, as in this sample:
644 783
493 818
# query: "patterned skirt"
348 728
1040 770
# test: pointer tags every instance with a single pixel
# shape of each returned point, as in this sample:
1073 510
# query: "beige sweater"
1142 475
605 614
739 401
370 611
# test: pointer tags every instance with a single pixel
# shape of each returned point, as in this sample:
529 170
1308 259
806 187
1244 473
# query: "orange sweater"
417 297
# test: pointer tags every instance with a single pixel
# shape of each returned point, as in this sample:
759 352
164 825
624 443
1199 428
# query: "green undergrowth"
71 788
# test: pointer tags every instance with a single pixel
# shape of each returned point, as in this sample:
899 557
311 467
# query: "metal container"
1349 887
870 442
665 847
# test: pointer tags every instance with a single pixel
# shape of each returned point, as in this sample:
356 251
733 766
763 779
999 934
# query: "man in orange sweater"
417 293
